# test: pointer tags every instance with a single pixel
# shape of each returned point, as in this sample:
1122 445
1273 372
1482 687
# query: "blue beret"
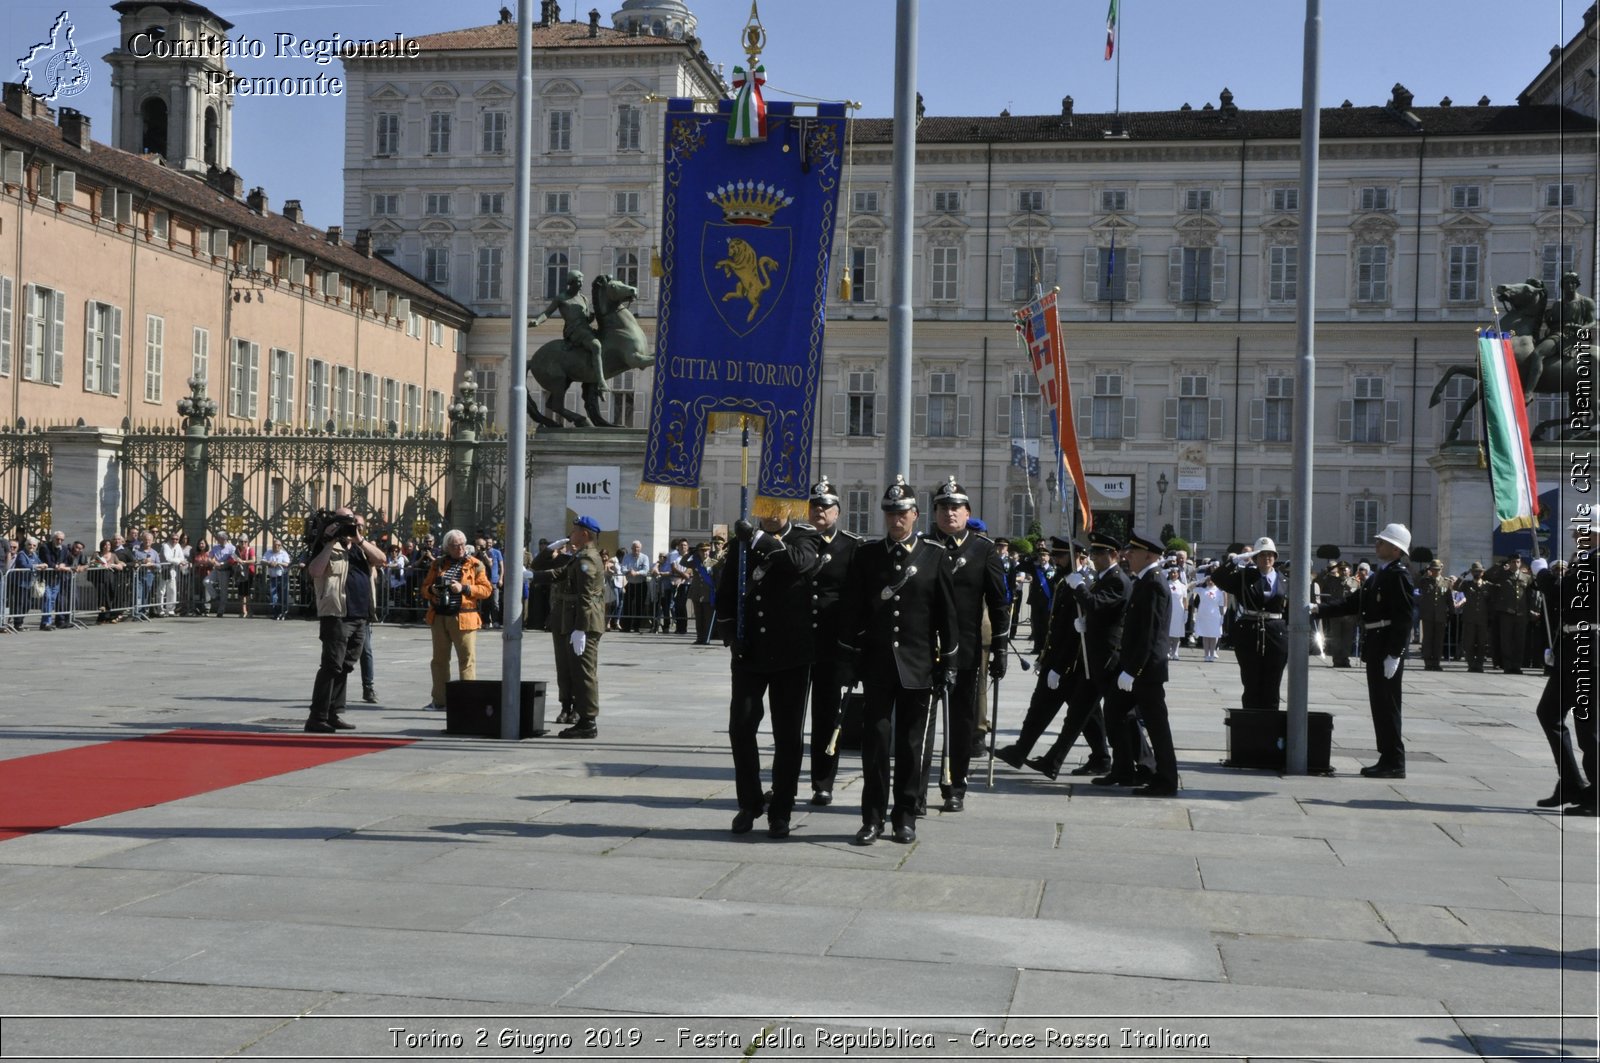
588 523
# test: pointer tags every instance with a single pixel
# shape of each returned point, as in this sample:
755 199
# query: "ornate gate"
25 472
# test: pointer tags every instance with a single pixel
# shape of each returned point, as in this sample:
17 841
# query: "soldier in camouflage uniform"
1434 605
1475 616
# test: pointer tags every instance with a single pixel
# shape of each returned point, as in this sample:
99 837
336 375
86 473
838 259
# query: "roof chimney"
1400 98
228 181
335 235
292 211
1066 106
75 128
364 242
19 101
1227 103
594 22
257 200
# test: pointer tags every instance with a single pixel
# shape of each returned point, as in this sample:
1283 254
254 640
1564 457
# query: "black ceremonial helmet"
823 494
899 497
951 493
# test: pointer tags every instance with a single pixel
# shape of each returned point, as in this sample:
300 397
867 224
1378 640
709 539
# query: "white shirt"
276 561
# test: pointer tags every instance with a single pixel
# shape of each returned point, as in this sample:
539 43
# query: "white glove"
1075 580
558 544
1539 565
1079 624
1391 665
1125 682
1313 608
1549 658
1053 680
1243 560
579 640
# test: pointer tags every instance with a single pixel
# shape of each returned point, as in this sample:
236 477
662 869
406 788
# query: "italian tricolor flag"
1111 29
1506 441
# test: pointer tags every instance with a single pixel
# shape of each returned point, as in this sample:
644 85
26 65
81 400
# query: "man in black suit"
837 547
1260 634
1142 678
1384 605
898 632
771 659
1569 603
979 581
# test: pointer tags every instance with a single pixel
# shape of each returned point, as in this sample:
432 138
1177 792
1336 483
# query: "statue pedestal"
86 483
1466 503
614 458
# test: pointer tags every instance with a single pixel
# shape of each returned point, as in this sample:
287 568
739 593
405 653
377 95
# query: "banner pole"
744 514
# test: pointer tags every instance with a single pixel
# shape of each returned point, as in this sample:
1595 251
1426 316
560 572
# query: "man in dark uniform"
1511 607
1335 585
837 546
577 620
1260 634
1495 579
771 659
1476 593
1060 666
1434 606
1569 603
898 632
1384 605
1143 666
1040 590
979 582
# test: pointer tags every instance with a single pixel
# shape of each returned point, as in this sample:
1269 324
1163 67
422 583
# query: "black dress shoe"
822 797
1092 766
921 808
1581 810
954 803
869 833
580 730
1044 767
1555 800
1156 790
777 828
1585 796
905 833
321 727
1011 755
1114 780
744 821
1383 771
339 723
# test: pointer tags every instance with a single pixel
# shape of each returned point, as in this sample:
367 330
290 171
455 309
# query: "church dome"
655 18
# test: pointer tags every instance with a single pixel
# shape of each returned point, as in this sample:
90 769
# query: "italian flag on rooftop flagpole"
1111 29
1506 443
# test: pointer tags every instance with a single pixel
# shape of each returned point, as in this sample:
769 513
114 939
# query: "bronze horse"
1545 365
556 366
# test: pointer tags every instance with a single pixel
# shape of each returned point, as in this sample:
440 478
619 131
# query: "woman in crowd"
244 564
1180 611
103 569
1208 606
203 565
616 588
396 567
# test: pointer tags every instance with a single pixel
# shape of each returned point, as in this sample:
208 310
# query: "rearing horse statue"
555 366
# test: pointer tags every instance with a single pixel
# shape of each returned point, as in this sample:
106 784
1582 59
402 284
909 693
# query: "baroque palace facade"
1172 236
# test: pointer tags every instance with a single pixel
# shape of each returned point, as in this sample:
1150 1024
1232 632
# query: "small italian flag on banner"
1506 442
1111 29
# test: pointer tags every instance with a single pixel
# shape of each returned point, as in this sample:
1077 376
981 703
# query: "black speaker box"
472 707
1256 740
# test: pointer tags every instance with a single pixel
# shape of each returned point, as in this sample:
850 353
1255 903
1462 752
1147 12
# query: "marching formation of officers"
918 622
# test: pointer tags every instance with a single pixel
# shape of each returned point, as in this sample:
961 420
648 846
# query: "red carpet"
69 786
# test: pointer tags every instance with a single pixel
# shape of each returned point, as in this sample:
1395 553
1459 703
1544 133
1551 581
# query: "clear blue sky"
975 57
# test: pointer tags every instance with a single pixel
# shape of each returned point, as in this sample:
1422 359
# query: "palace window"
1113 200
280 386
558 131
1283 273
1372 273
625 266
1021 515
155 344
1466 197
439 132
385 203
625 203
1463 273
1285 200
491 202
436 203
436 265
200 355
1373 198
1192 518
555 273
489 274
864 202
244 374
494 133
102 349
1364 520
858 509
387 129
863 274
630 125
1554 260
1198 200
944 274
318 398
44 334
1560 195
1030 201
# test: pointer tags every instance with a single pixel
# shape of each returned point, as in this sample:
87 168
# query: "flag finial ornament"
749 121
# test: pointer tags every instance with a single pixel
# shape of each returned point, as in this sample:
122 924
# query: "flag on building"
1025 455
1507 445
1039 325
1111 29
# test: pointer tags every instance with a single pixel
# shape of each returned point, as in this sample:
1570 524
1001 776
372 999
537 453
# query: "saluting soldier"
577 620
1384 605
1569 599
1476 594
771 660
898 632
1142 662
837 547
1260 633
1335 584
1434 606
979 582
1512 609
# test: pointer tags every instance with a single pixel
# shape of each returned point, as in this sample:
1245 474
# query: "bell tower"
168 78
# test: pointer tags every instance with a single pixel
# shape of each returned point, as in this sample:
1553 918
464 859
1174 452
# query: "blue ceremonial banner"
747 229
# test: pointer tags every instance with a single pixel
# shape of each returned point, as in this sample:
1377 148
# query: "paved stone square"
472 898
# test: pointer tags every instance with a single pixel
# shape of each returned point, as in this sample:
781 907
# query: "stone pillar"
549 458
85 483
1466 501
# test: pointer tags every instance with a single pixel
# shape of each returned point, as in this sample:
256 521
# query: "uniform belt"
1259 614
1377 624
1573 629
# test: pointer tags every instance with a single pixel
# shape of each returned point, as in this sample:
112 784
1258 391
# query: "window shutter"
1049 270
91 361
252 370
125 214
66 186
1008 272
1130 417
919 415
297 270
1347 409
1391 421
258 257
1130 273
288 392
1002 415
1214 419
1219 274
1175 275
13 167
30 352
58 337
113 354
1169 418
1258 420
219 237
1085 418
7 320
963 415
841 412
880 416
403 310
1091 274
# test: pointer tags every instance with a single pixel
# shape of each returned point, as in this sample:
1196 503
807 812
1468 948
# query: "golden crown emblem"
749 202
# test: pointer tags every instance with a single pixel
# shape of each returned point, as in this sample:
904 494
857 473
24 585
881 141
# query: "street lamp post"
1161 493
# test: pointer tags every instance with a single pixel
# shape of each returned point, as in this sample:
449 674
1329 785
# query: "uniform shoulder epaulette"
846 533
802 525
981 537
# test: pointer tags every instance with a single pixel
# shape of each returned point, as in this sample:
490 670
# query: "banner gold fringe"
720 419
791 508
683 497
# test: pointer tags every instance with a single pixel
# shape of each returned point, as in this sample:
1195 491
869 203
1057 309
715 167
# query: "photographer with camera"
453 586
342 574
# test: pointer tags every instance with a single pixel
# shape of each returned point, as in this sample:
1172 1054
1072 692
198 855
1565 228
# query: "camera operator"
342 573
453 587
